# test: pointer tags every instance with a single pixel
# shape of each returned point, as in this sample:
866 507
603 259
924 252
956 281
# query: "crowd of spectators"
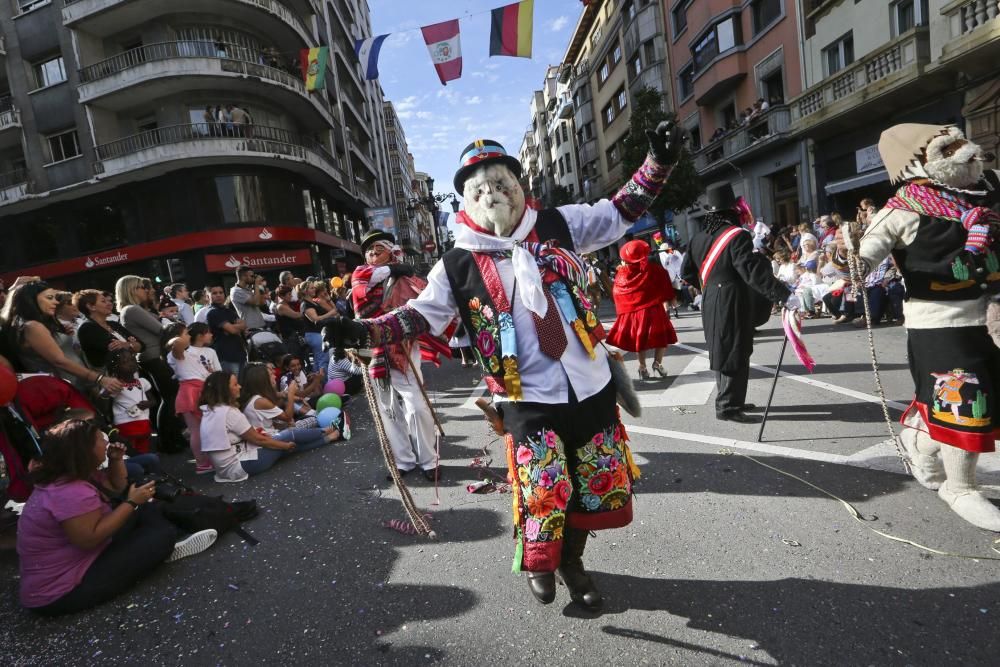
105 382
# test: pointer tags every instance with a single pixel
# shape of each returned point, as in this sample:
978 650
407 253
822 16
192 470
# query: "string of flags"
510 35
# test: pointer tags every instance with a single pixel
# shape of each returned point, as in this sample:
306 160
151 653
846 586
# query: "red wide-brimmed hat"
634 251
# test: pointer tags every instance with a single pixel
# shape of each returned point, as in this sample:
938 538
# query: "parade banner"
314 66
367 51
445 47
510 30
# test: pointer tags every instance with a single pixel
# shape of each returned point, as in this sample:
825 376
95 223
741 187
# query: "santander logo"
265 234
232 262
106 260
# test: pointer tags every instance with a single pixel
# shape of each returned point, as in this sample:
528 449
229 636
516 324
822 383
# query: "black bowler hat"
482 152
719 197
373 236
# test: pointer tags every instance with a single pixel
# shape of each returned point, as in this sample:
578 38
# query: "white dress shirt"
543 379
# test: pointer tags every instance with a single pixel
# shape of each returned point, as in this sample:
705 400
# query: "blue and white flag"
442 218
367 51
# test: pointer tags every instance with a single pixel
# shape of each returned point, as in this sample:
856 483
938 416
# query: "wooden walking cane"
774 383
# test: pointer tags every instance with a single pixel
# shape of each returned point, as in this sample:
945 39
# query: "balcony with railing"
162 69
108 17
209 143
13 186
10 118
846 94
768 128
973 35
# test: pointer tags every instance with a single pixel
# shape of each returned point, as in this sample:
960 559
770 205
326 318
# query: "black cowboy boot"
571 572
543 586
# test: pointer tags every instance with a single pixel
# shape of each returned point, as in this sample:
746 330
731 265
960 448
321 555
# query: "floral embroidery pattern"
605 483
544 486
486 329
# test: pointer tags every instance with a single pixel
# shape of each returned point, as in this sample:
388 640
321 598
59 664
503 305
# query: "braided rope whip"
858 284
417 518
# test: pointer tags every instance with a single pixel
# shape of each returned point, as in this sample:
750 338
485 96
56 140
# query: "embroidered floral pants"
570 465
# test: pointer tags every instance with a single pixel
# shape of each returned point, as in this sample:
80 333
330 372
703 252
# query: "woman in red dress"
642 291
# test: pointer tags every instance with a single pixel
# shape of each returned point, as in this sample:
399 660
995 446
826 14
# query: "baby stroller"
265 346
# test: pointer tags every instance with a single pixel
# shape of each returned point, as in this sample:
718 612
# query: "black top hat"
373 236
719 197
482 152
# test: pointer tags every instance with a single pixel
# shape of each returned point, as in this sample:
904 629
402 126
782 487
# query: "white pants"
407 418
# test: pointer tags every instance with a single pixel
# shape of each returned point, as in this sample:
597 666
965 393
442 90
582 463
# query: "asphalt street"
728 561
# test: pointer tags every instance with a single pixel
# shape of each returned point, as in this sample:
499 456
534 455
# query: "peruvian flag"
443 43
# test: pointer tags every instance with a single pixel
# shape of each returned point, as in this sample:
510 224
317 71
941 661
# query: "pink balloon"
335 386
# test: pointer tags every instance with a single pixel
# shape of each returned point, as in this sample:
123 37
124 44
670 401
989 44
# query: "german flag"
510 32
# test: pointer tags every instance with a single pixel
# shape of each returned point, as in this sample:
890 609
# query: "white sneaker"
973 507
224 480
193 544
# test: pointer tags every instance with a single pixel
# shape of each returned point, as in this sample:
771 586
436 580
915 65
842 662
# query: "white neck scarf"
526 273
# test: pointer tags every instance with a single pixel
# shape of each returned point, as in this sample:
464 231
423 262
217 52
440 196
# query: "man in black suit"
733 279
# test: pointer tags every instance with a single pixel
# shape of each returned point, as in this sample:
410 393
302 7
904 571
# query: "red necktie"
551 337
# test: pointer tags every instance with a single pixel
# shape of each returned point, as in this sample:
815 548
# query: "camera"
166 488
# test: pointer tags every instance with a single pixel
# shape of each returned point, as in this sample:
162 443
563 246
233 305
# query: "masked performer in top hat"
942 230
721 261
517 280
377 286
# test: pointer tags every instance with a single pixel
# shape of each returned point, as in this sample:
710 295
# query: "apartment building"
114 157
401 172
735 65
540 179
920 61
616 49
560 133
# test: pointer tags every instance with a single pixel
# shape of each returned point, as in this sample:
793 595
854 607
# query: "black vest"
937 267
472 297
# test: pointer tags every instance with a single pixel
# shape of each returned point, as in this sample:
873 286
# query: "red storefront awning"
224 238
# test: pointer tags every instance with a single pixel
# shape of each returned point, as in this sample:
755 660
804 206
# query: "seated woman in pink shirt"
76 550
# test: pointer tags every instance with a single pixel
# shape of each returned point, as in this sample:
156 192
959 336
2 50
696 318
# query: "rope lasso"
418 519
858 284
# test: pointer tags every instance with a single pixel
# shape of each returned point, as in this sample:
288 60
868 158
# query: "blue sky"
491 100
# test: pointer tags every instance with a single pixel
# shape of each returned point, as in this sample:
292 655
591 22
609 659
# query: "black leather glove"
666 142
346 333
397 270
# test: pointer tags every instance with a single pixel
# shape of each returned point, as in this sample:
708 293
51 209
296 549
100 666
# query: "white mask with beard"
954 161
494 199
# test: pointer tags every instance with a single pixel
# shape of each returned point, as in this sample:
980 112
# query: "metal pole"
774 383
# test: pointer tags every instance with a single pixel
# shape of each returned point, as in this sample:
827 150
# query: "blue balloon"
328 416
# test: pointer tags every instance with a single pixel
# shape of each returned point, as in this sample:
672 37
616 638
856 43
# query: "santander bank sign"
257 260
109 259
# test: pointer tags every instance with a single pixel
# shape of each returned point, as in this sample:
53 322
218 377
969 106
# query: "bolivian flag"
313 63
510 34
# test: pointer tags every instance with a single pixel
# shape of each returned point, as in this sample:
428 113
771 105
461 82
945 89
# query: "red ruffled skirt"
644 329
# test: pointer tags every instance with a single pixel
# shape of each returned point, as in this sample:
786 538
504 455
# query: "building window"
685 82
629 10
63 146
603 74
565 132
649 50
695 134
49 72
616 54
772 88
561 172
622 98
636 65
764 13
840 54
558 139
905 16
680 17
595 37
609 114
614 155
569 164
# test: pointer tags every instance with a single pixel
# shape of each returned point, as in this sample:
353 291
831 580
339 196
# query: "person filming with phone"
249 297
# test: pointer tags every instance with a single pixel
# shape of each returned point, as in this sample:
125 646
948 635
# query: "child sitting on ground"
343 369
130 407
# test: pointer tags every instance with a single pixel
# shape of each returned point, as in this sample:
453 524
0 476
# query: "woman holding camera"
76 550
